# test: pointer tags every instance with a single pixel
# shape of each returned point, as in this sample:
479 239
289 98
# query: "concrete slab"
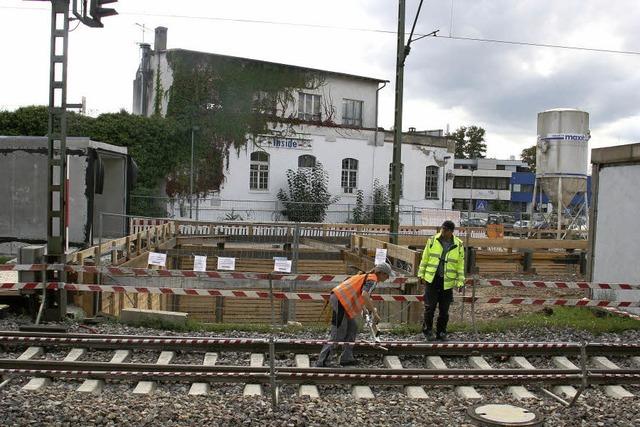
614 391
199 389
148 387
518 392
257 359
36 384
302 361
138 315
31 353
362 392
466 392
636 360
96 386
413 392
564 390
563 363
75 354
521 362
91 386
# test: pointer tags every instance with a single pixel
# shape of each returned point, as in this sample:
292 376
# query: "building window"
401 177
462 182
351 112
431 183
500 167
349 175
306 161
309 107
259 171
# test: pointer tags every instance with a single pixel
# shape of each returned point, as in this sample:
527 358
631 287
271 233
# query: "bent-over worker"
347 301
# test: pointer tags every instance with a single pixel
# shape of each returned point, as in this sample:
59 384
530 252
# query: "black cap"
448 225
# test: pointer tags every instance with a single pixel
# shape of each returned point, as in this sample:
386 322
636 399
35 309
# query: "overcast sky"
447 81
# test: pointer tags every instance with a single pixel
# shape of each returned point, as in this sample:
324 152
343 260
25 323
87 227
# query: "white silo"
562 157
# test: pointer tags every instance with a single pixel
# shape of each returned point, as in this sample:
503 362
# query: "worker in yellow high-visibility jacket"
441 270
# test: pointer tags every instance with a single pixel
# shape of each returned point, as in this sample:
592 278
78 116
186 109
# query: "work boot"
428 335
441 336
352 362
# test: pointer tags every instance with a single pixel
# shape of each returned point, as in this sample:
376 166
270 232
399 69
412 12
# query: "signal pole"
55 307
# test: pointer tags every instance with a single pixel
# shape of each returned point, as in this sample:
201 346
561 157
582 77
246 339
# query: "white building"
334 124
492 184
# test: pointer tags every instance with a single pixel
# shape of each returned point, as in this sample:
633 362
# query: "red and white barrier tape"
222 275
309 296
329 278
556 285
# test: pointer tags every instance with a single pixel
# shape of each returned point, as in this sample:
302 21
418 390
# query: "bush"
308 196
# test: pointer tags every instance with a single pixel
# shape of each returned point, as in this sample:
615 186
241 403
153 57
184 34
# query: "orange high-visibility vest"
349 293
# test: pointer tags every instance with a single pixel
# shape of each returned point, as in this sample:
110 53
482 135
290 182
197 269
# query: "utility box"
100 177
614 245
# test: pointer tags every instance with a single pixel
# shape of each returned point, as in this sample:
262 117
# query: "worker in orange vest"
347 300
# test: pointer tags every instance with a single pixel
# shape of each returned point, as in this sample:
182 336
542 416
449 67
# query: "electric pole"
396 165
397 130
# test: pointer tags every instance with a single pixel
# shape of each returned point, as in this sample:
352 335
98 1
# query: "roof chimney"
160 44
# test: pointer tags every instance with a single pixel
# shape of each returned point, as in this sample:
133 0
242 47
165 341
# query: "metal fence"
214 209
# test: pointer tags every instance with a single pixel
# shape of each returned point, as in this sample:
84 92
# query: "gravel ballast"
169 405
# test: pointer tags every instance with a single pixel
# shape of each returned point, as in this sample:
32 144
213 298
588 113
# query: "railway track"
569 368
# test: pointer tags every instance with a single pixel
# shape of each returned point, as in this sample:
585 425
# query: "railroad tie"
464 391
257 360
147 387
37 383
311 390
199 389
517 391
412 391
615 391
96 386
564 390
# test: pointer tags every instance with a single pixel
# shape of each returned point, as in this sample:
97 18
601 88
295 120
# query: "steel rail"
12 338
332 378
107 366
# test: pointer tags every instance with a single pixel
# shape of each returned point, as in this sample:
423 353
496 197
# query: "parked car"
522 224
477 222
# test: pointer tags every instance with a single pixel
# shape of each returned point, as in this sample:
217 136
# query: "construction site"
145 283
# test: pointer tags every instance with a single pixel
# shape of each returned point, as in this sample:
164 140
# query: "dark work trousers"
343 329
434 295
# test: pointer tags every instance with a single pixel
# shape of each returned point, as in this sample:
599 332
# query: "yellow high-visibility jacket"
453 266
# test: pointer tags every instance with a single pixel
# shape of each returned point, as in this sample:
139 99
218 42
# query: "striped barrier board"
308 296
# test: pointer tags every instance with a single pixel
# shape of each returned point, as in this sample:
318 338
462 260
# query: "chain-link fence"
215 209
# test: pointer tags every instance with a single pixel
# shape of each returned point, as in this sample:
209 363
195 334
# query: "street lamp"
193 130
444 177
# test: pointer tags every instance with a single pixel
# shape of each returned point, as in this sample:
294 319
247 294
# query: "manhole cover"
496 414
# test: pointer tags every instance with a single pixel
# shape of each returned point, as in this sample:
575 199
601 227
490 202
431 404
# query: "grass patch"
4 259
577 318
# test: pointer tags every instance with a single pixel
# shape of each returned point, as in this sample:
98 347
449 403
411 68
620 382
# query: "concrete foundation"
138 315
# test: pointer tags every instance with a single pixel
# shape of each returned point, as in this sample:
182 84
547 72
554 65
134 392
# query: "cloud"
505 86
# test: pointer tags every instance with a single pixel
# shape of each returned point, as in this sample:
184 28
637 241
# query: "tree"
381 207
528 155
308 196
469 142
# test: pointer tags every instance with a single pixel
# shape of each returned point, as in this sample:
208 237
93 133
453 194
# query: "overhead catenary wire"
362 29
